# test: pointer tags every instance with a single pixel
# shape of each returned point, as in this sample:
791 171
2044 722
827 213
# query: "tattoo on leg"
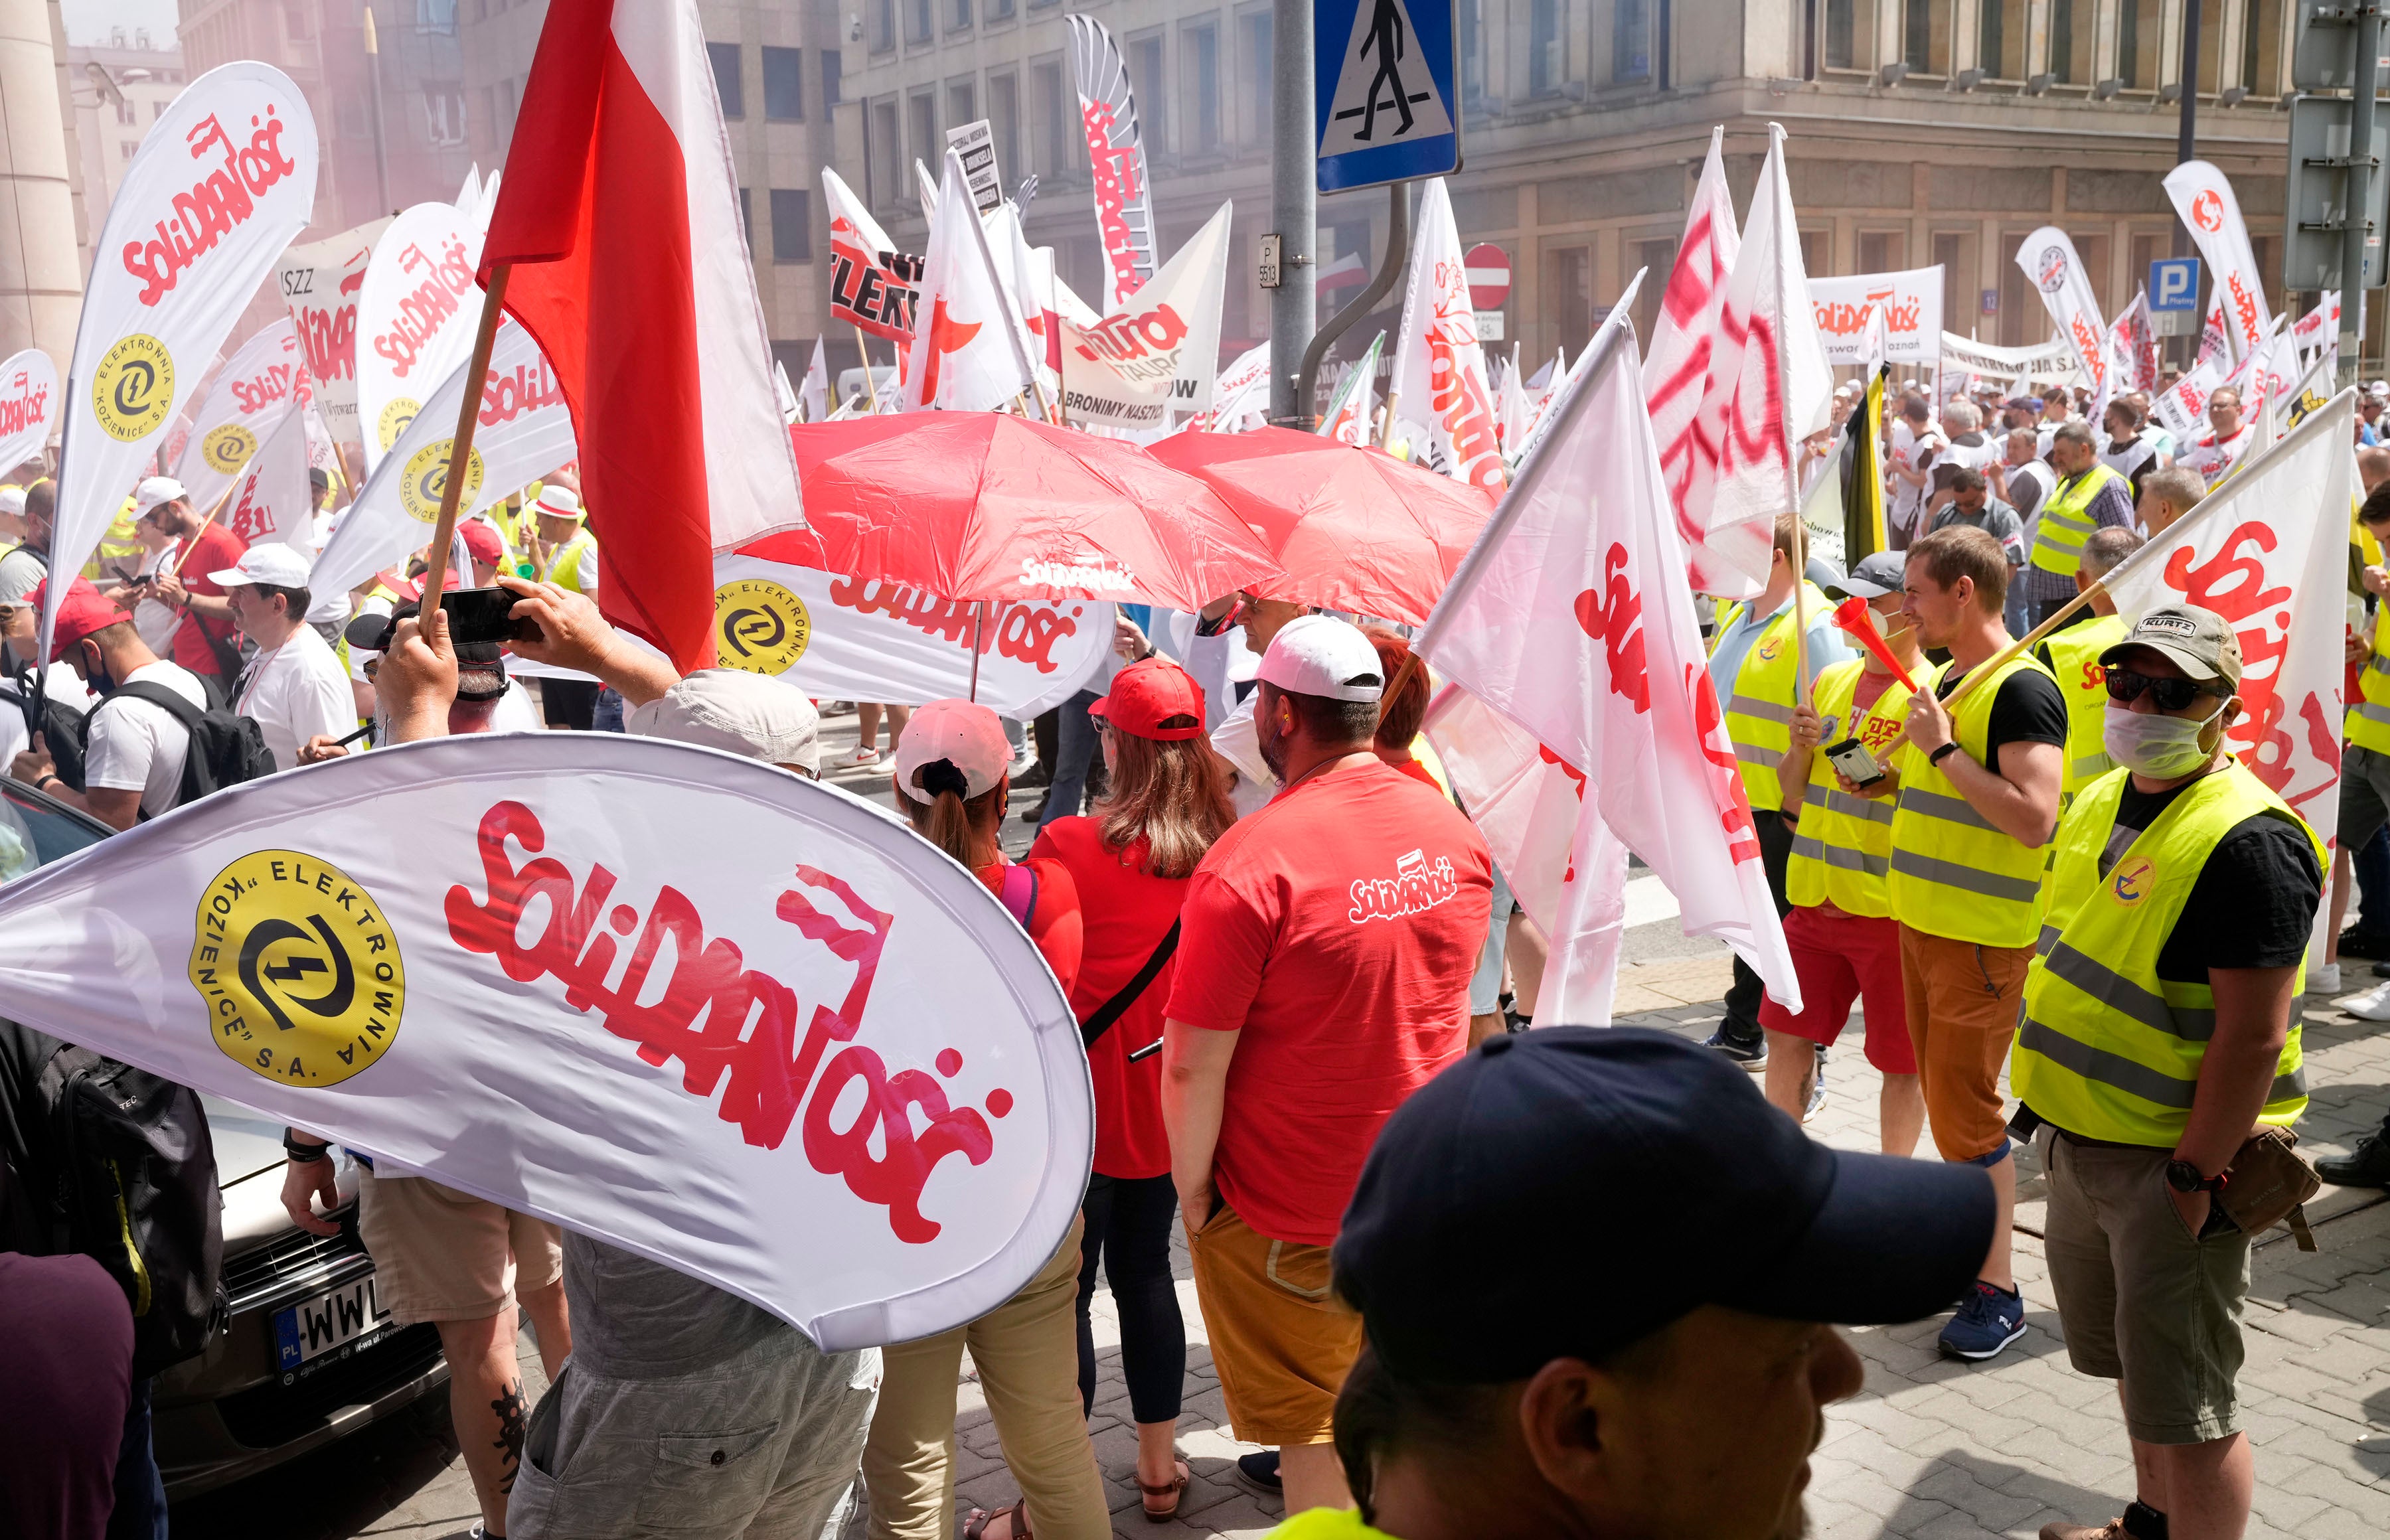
510 1442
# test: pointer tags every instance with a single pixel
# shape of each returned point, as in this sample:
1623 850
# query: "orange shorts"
1281 1341
1963 1002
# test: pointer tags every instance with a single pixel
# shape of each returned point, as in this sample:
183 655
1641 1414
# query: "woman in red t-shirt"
951 781
1129 861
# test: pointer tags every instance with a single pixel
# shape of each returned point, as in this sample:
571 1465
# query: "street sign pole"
1293 208
2361 145
2186 140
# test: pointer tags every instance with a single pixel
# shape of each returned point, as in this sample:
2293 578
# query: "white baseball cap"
964 735
744 714
1321 655
2379 387
154 490
555 502
277 566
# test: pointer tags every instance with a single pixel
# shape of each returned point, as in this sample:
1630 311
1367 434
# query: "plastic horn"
1854 616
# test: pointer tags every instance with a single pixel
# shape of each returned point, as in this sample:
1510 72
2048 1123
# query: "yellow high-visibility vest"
2075 659
2065 521
1953 874
1766 686
2109 1050
1843 846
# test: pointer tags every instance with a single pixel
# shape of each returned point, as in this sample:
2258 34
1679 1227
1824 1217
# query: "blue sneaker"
1750 1053
1987 1321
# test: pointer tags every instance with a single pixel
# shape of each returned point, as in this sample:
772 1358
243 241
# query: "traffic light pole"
1294 194
2360 195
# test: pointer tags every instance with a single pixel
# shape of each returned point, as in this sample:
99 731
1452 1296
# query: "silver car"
308 1356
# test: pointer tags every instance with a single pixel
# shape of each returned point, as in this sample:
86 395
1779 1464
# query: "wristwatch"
304 1154
2183 1177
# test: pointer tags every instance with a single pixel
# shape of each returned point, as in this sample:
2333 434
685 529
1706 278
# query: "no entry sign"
1489 276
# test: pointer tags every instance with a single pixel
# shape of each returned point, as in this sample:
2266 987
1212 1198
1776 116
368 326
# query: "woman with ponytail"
1130 860
952 781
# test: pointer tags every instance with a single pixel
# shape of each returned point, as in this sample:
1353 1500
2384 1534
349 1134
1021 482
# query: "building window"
747 220
831 68
2261 50
128 146
999 10
1954 252
443 113
1843 36
962 105
2072 58
1925 36
298 25
2139 32
1199 58
1547 65
124 111
1004 124
919 23
1260 46
881 153
1660 256
1630 57
784 85
2211 47
792 225
1568 295
959 15
1472 51
1055 119
923 126
1882 250
1145 78
436 16
157 111
883 25
726 78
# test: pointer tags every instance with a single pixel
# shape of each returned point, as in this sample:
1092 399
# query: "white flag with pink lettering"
815 1065
29 406
1572 617
1442 401
259 385
2203 195
1769 388
2280 582
1676 371
2048 259
417 312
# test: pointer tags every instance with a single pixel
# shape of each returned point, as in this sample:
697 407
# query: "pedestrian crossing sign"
1385 101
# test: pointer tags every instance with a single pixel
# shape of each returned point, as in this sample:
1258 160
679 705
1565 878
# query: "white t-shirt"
295 692
153 620
138 746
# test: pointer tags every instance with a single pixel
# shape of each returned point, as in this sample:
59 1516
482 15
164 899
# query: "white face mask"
2162 747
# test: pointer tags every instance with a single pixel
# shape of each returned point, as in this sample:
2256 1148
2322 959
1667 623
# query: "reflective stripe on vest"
1759 708
1953 873
1843 849
2075 659
2058 546
2368 716
2109 1050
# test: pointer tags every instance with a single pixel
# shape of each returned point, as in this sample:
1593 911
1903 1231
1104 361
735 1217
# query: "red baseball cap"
1146 694
482 539
84 611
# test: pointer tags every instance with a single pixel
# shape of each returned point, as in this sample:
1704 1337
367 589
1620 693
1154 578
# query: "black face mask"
96 674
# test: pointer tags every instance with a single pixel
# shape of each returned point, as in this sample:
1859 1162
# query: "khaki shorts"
1281 1341
1963 1001
440 1255
2145 1301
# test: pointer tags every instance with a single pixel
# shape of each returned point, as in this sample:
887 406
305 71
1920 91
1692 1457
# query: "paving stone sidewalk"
1927 1450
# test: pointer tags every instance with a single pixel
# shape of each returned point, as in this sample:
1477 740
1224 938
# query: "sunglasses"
2171 694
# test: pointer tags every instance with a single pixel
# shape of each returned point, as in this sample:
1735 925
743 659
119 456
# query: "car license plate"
326 1323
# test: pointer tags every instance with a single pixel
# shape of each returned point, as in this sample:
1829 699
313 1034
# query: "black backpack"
116 1164
225 749
63 729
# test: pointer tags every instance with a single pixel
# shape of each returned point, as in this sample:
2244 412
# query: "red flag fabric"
619 217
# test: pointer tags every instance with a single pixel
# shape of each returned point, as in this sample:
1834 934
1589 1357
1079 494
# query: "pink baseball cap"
963 733
483 540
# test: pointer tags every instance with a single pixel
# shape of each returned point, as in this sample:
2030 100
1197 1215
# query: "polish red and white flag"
1572 618
619 218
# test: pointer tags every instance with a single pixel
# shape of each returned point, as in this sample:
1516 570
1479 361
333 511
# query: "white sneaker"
2371 1006
2323 979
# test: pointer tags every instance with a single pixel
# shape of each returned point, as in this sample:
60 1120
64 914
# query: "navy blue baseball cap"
1563 1192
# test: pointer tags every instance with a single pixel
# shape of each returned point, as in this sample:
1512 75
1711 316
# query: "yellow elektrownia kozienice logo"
300 972
759 626
132 387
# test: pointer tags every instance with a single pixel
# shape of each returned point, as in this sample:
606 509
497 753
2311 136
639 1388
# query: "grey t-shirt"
1995 519
636 1319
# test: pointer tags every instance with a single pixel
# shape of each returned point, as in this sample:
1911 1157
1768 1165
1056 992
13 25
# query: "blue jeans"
140 1491
1075 750
2372 866
608 716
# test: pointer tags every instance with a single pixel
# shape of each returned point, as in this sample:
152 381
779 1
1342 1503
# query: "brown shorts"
440 1255
1962 1003
1281 1341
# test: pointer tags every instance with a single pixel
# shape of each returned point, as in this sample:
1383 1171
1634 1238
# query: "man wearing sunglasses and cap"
2159 1035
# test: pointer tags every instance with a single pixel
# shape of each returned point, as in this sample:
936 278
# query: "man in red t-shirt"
206 642
1325 951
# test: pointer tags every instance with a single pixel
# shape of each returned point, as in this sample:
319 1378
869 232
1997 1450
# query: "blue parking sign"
2173 283
1384 105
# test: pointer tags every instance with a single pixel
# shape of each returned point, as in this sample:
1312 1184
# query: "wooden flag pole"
1386 432
978 627
225 497
2031 639
869 383
460 448
1801 605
